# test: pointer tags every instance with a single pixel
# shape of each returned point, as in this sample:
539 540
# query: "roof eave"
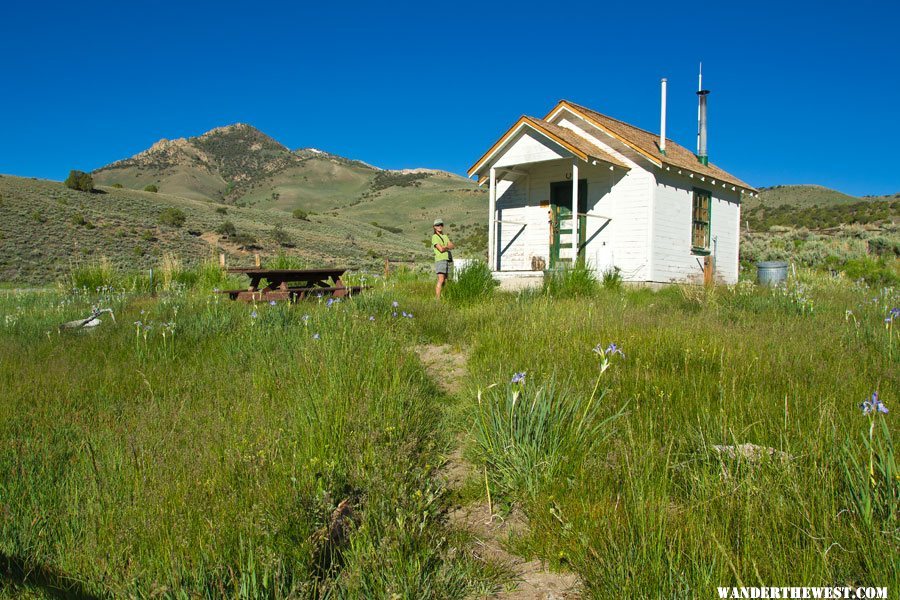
735 184
573 109
523 121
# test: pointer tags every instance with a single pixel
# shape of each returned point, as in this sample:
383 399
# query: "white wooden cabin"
658 214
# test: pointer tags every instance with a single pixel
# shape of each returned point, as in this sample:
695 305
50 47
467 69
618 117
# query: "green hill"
46 228
241 166
816 207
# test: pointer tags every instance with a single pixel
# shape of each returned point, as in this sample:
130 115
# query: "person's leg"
440 284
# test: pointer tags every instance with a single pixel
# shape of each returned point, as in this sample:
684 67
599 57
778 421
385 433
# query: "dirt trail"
447 367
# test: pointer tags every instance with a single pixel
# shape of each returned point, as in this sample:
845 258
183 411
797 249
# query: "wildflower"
371 318
394 314
330 302
315 336
305 318
395 304
609 351
613 348
873 405
518 378
409 315
272 303
254 314
895 312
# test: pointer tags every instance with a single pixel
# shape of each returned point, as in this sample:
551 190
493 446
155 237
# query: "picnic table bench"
291 284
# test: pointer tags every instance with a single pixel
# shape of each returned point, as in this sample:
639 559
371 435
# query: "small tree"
227 229
79 180
151 188
172 217
281 236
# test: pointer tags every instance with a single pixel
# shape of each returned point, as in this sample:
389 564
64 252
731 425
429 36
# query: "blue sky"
801 92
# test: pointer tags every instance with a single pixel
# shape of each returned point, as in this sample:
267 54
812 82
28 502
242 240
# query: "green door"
561 222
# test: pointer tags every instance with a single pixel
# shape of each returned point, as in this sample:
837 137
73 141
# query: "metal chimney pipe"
662 119
702 155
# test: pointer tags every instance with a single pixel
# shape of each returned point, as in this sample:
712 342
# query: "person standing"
442 257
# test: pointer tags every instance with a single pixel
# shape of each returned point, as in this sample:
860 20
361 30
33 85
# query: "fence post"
256 258
222 259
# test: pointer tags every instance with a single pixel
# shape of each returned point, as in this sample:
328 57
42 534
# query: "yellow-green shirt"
443 240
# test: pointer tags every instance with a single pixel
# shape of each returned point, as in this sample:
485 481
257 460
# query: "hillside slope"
816 207
243 167
46 228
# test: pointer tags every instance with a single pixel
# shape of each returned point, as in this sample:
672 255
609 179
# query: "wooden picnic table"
287 284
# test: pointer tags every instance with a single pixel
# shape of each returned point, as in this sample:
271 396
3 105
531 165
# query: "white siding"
649 234
520 235
672 223
632 195
620 242
528 147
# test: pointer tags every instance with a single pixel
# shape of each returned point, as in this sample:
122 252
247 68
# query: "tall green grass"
199 447
472 283
654 510
570 282
530 435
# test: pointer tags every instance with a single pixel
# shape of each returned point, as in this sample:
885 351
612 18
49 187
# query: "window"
700 232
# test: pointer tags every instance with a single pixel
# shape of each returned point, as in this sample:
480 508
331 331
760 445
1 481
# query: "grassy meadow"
197 447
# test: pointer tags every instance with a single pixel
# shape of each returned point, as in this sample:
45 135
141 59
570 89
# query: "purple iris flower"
614 349
330 302
315 336
272 303
371 318
395 304
873 405
518 378
253 315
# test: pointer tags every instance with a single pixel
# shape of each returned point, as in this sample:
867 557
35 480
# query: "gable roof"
568 139
647 144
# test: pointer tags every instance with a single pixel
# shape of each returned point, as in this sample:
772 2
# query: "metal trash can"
771 273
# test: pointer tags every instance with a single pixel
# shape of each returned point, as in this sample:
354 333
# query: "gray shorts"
441 266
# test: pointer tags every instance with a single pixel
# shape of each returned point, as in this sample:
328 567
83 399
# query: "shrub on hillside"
151 188
387 227
281 236
244 241
80 181
301 214
118 186
222 210
80 221
172 217
227 229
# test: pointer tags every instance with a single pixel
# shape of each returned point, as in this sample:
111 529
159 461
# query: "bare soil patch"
445 365
493 533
